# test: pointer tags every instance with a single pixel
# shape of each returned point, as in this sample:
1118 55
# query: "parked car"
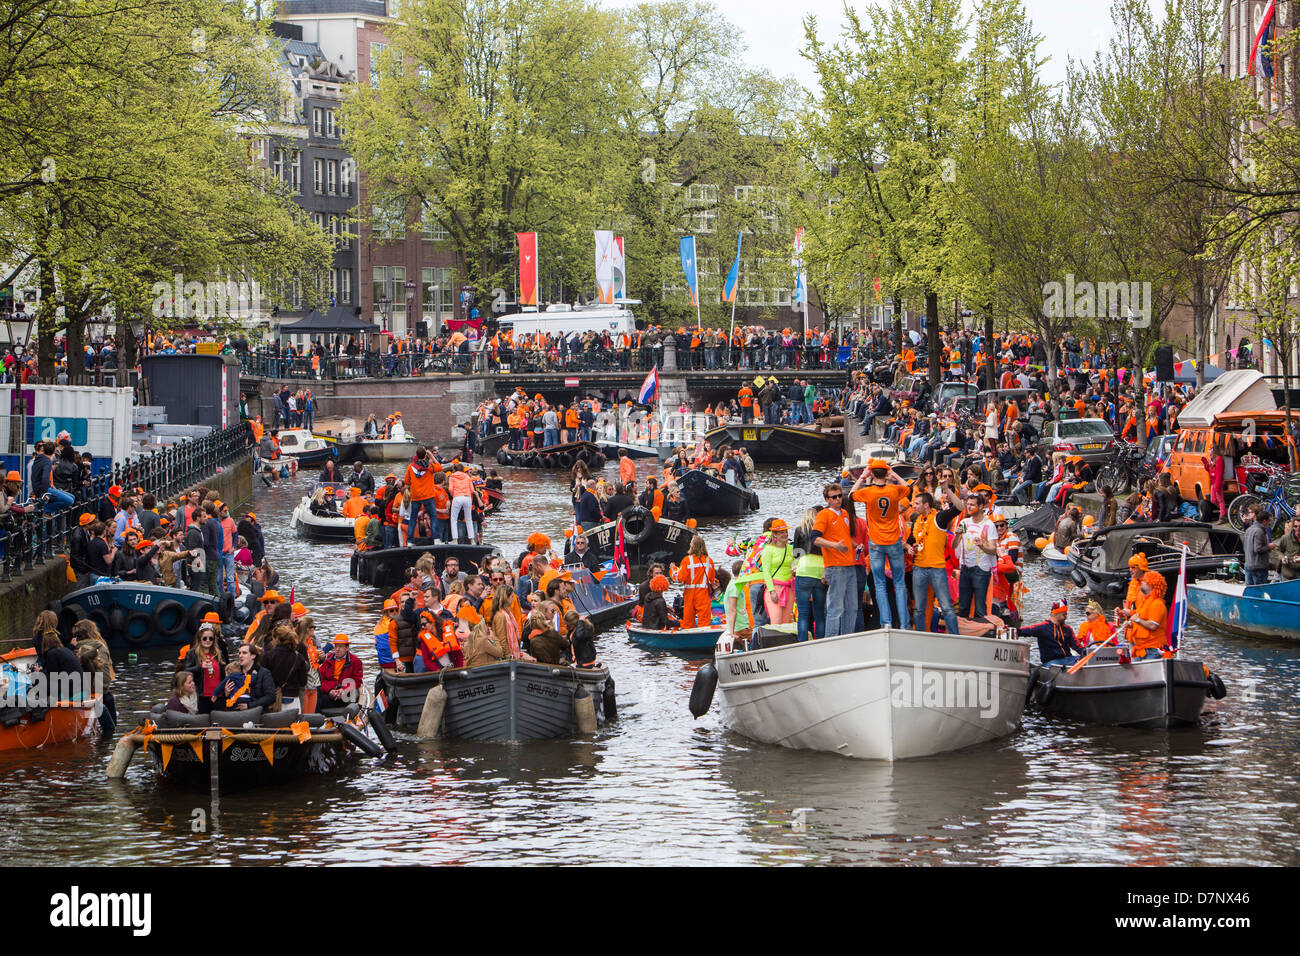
1090 438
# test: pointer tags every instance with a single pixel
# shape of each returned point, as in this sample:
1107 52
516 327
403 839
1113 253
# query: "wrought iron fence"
33 538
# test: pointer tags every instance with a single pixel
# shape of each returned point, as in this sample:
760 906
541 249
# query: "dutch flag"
1177 619
1261 57
649 387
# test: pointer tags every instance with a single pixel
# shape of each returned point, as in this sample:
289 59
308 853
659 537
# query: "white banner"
605 265
620 270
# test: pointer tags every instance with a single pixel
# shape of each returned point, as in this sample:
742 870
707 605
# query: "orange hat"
658 583
212 617
143 545
115 492
1060 607
1155 581
1138 560
354 491
779 525
13 476
251 515
218 504
342 639
299 610
390 605
877 463
272 596
538 541
85 519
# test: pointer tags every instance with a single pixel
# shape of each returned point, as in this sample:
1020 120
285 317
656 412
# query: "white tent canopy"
1242 390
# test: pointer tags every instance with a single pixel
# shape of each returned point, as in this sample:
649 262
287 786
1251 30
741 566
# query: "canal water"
657 787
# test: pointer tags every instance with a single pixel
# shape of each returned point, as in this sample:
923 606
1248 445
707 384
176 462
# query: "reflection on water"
657 787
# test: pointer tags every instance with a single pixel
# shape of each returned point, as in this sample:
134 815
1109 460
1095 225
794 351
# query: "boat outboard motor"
706 682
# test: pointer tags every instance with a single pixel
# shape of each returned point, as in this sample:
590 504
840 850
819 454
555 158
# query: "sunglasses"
833 497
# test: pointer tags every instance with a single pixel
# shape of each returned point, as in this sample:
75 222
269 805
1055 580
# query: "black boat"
554 456
708 496
489 445
386 567
1152 694
270 752
645 540
781 444
1100 563
507 700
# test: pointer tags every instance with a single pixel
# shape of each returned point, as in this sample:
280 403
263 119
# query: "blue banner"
688 267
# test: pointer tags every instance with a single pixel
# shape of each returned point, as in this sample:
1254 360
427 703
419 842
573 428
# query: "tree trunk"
990 373
45 318
1200 324
898 325
76 354
1139 387
932 338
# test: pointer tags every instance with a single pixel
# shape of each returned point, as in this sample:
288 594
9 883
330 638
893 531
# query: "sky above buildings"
773 30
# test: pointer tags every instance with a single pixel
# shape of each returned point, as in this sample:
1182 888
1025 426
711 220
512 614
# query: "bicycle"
1279 496
1126 469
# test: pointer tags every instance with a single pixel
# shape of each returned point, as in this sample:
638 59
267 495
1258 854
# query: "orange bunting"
166 754
184 650
197 746
227 738
268 748
302 730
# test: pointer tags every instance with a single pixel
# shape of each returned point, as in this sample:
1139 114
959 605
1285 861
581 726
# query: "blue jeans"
58 500
807 413
973 592
390 536
228 571
894 554
842 599
550 436
936 579
810 599
1256 576
428 505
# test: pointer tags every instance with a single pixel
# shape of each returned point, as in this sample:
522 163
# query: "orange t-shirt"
626 471
746 397
441 501
931 543
422 485
881 504
1143 638
834 527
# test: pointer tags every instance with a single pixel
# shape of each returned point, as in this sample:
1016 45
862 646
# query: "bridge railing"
553 360
31 539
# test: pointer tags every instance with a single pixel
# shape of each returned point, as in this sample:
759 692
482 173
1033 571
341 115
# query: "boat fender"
56 607
1077 577
638 523
431 716
352 568
529 459
548 461
357 737
177 611
1217 690
226 607
1032 683
117 625
584 710
122 754
583 455
610 700
706 682
1114 588
195 616
564 460
597 460
1046 690
139 628
503 458
380 727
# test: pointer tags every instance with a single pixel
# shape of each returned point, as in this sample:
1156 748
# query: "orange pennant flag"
184 650
268 748
227 738
166 754
302 730
198 749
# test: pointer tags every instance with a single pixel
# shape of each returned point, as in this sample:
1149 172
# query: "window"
386 222
279 164
345 178
318 176
430 228
705 200
345 286
330 129
295 171
317 121
332 177
319 219
375 50
438 293
390 291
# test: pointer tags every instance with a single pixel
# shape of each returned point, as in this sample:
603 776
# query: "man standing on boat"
1288 546
882 502
841 574
976 548
929 549
1257 546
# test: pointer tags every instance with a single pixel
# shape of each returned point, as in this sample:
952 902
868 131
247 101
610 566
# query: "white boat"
887 694
301 444
1058 562
857 460
322 521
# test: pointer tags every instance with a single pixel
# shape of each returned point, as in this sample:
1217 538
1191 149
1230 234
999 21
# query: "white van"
567 319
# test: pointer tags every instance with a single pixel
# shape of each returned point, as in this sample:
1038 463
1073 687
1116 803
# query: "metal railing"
553 359
33 538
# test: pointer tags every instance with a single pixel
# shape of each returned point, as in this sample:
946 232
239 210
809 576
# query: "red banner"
527 267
